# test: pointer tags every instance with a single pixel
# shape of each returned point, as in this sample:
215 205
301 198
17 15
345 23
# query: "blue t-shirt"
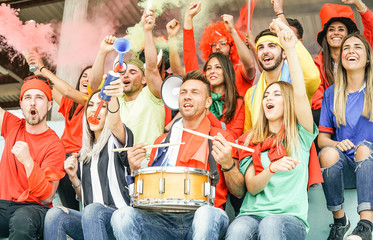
357 129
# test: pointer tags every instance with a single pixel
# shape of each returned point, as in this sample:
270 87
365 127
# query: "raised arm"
244 53
173 27
278 8
152 75
98 66
250 42
366 18
310 71
115 90
189 45
302 106
60 88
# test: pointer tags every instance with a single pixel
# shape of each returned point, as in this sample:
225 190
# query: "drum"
172 188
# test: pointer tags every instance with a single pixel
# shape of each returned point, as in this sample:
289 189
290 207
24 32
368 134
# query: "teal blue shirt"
286 192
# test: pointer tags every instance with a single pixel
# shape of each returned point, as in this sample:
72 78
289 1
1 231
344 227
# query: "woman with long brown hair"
227 105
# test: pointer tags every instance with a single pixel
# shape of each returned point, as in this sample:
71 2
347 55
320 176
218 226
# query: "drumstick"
212 138
148 146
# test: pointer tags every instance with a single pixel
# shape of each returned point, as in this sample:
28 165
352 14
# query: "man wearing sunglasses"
31 164
219 37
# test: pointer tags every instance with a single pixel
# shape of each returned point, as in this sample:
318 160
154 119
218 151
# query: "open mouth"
336 40
270 106
352 59
267 59
126 82
33 112
187 105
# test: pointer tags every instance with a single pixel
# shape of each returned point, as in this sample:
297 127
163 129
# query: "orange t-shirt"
72 135
47 151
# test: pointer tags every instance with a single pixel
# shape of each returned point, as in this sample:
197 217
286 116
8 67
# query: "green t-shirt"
144 116
286 192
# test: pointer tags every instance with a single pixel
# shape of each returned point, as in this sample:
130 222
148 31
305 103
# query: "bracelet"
41 68
227 170
75 187
115 110
112 111
279 14
364 9
269 168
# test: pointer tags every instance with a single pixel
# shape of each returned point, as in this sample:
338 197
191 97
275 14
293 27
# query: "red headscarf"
37 82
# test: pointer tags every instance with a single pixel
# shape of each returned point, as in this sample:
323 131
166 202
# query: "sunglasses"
37 77
221 43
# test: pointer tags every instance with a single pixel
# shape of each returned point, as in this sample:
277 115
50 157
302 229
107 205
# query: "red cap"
330 13
37 82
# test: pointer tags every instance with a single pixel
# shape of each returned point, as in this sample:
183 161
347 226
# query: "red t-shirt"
242 82
47 151
72 135
221 190
234 127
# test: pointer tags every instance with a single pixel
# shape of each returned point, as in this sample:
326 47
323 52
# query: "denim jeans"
21 220
205 223
274 227
92 223
334 183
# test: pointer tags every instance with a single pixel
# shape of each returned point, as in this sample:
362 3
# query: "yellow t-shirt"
253 96
144 116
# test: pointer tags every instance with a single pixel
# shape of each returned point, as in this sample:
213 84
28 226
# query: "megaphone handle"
121 56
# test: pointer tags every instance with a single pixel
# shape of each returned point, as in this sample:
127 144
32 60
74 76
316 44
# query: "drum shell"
166 188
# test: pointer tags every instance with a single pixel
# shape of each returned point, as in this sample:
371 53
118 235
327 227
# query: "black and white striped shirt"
104 177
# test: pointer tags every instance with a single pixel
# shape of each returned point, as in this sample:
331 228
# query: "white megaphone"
170 91
121 45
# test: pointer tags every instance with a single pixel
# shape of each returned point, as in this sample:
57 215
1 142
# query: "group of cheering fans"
308 121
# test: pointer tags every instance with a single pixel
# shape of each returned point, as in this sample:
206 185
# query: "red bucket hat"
330 13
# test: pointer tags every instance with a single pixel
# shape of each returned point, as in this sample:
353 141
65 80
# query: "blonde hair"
90 149
260 130
340 86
